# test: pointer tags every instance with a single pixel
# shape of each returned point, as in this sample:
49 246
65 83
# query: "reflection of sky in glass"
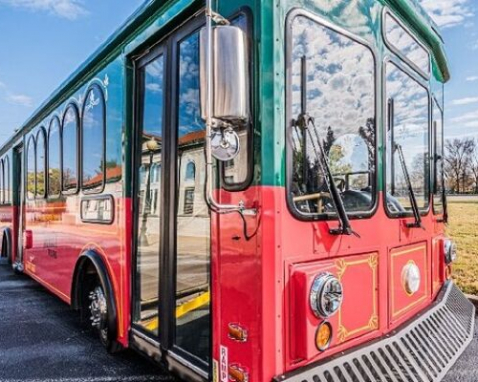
70 144
340 95
153 97
54 157
406 44
189 98
93 136
410 131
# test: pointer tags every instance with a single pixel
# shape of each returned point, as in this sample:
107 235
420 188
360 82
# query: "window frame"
387 12
60 141
31 140
293 14
76 110
399 65
99 189
42 131
434 191
2 182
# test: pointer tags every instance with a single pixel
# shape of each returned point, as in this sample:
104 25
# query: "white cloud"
465 101
68 9
448 13
467 117
19 99
472 78
472 124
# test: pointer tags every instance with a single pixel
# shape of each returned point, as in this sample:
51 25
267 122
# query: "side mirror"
230 74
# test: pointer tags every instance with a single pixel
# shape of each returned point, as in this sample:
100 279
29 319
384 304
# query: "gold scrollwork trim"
342 266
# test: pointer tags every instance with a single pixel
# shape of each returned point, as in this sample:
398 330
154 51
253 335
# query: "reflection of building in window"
229 164
191 171
188 201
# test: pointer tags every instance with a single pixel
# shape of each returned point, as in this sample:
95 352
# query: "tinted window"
41 161
54 182
408 131
70 149
93 140
31 169
406 45
336 76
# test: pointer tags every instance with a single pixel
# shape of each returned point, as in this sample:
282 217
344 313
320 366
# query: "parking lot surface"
41 340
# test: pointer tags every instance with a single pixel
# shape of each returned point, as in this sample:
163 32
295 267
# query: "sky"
44 41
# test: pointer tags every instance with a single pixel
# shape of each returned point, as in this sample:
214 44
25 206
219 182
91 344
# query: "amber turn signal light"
323 336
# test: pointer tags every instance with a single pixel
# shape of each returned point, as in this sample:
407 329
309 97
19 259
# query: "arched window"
69 143
2 183
54 182
6 181
93 142
41 164
31 168
191 171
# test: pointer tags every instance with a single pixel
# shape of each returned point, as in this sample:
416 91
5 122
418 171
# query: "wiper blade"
303 122
411 192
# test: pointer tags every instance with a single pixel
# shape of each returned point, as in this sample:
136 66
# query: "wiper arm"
303 122
411 192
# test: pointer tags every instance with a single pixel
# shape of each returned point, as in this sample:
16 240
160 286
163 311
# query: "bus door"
171 274
18 202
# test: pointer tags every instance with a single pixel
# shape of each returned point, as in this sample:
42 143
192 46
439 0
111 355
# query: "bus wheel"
98 315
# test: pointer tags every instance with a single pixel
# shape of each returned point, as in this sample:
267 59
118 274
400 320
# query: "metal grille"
422 351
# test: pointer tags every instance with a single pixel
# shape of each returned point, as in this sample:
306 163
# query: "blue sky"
44 41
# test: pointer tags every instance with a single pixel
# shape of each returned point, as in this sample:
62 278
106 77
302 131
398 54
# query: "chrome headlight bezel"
326 295
449 251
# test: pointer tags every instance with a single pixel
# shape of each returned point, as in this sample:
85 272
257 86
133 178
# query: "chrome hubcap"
98 310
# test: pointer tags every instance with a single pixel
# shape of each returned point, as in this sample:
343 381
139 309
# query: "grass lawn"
463 228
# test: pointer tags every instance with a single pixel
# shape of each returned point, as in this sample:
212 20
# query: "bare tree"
457 159
473 167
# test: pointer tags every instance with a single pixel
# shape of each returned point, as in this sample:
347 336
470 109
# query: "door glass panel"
193 219
149 185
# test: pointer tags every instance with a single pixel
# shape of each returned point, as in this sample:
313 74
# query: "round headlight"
450 251
411 278
326 295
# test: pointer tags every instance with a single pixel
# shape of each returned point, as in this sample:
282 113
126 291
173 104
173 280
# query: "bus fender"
103 275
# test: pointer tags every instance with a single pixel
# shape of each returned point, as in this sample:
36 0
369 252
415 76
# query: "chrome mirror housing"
230 73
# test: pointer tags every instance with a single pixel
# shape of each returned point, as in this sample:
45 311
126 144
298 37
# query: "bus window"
54 158
31 169
6 181
41 164
408 130
193 217
2 182
406 46
70 149
336 76
93 141
439 156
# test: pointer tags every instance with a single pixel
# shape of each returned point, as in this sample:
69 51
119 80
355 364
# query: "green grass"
463 228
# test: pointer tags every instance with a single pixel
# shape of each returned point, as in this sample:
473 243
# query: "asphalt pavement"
41 340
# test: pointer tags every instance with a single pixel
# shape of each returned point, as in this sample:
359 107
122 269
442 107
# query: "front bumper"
422 350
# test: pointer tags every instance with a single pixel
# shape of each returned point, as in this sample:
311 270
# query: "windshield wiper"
413 200
304 121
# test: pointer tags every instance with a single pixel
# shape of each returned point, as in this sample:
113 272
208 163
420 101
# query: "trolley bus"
249 191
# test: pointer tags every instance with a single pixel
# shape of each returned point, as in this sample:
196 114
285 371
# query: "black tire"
94 313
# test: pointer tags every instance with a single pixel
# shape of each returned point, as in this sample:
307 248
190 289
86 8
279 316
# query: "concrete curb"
473 300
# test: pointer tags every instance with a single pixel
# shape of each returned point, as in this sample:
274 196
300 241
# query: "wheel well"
89 268
6 244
